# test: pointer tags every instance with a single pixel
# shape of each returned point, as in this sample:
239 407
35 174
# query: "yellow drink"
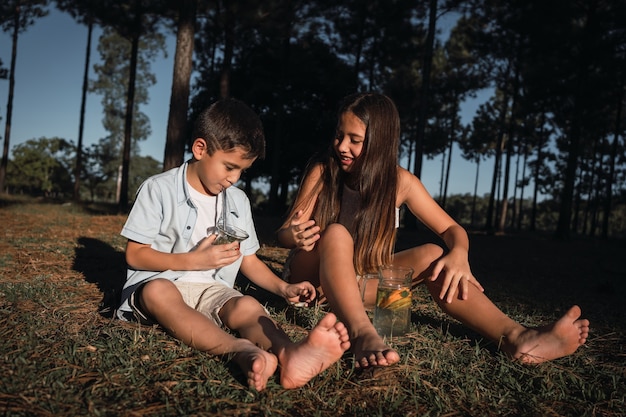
392 316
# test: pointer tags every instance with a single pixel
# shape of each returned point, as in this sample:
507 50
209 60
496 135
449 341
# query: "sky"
48 87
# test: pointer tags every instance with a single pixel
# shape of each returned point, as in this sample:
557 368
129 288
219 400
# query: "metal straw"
224 207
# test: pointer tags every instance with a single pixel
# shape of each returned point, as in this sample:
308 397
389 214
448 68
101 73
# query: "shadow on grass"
104 266
455 330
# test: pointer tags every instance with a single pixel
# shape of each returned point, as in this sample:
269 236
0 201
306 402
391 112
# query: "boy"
178 278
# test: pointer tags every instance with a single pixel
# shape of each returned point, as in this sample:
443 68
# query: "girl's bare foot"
257 364
370 350
323 346
553 341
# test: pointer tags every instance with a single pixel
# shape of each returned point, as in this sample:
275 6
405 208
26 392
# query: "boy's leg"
163 302
479 313
335 251
299 362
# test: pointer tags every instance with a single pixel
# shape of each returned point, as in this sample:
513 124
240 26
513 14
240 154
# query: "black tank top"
350 204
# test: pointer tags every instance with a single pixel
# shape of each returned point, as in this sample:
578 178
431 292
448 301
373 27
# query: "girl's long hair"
374 175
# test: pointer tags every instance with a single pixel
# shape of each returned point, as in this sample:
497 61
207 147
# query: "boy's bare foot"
553 341
370 350
323 346
257 364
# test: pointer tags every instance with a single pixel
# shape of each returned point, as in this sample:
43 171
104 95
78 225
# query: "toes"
328 321
574 312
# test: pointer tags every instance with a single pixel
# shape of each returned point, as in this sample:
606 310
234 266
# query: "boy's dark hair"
229 123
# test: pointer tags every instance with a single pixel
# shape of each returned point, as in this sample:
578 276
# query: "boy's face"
210 174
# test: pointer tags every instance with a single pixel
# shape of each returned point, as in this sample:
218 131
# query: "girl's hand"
206 255
301 292
455 276
304 232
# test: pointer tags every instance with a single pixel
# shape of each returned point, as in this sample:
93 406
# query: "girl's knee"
432 252
335 233
420 257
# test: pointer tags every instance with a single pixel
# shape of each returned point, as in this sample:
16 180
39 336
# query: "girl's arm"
453 269
260 274
412 192
299 230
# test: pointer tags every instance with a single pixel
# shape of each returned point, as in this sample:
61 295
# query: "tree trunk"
509 150
505 186
533 212
565 210
128 125
515 187
229 44
441 177
7 127
359 47
277 154
611 177
450 147
595 202
520 215
473 216
177 132
496 169
577 203
575 134
426 69
590 186
83 102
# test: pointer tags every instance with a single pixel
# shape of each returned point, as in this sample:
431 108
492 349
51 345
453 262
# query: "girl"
343 225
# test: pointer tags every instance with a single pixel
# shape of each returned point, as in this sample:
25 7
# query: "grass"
61 353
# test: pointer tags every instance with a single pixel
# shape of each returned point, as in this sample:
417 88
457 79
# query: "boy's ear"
199 147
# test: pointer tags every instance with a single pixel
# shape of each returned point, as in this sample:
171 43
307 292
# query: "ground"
61 267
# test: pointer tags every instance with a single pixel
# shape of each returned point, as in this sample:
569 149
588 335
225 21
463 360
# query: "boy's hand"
304 232
209 256
301 292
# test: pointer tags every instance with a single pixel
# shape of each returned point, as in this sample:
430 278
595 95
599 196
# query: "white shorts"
207 298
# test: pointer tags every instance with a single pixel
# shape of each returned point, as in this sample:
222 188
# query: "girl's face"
349 139
211 174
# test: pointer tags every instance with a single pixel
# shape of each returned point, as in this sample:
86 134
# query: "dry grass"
62 354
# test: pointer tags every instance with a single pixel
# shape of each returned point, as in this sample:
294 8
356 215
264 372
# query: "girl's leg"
338 280
479 313
163 301
299 362
305 266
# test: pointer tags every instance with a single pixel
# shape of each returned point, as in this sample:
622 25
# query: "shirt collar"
182 193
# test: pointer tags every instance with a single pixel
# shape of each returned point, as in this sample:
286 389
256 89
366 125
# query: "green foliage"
26 11
41 167
4 72
283 77
112 84
142 168
101 172
556 70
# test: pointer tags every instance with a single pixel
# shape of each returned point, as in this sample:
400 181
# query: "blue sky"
48 82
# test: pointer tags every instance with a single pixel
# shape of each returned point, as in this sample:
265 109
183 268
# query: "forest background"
552 127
